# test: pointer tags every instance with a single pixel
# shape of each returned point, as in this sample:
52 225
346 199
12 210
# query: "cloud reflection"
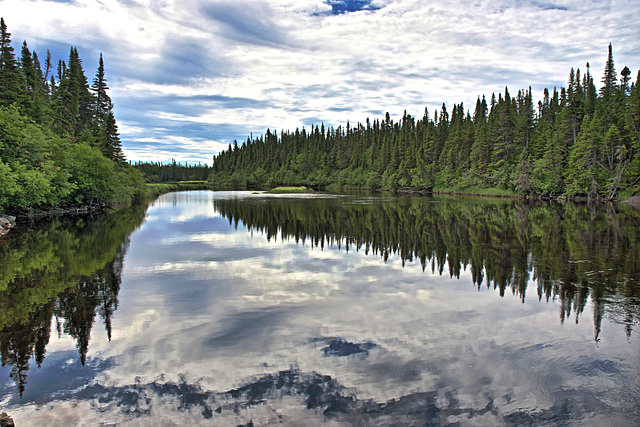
201 336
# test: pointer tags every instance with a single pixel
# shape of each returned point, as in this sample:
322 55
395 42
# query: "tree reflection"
570 252
68 273
64 271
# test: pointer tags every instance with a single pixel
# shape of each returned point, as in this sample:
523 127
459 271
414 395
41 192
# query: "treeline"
172 172
571 252
577 142
59 142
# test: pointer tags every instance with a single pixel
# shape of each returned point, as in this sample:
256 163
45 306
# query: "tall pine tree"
105 127
609 79
12 82
37 102
99 89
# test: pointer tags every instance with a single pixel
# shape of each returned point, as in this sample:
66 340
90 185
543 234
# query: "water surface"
234 307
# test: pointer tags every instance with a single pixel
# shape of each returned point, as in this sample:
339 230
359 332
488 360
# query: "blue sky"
189 77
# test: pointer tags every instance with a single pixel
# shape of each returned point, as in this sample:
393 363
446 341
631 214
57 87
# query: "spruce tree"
48 65
100 88
109 138
583 169
12 83
590 93
36 104
73 103
609 79
632 126
105 126
63 103
84 98
624 81
26 61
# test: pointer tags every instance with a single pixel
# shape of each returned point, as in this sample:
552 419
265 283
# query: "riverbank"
10 219
425 191
478 192
13 218
32 215
288 190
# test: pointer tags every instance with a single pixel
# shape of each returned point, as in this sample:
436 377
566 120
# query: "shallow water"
235 307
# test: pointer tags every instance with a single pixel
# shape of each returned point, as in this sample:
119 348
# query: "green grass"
279 190
157 189
476 191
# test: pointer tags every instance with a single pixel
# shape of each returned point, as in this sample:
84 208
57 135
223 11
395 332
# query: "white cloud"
312 67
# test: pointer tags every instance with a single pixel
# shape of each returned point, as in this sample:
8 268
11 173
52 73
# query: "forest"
59 141
576 142
172 172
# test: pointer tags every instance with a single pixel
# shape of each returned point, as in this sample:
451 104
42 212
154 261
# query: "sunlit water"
232 308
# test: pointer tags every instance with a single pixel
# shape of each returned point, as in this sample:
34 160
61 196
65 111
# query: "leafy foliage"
59 144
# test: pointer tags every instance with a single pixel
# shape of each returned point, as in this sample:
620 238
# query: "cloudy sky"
188 77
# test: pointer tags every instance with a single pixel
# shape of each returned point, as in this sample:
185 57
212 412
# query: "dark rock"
6 223
6 420
11 219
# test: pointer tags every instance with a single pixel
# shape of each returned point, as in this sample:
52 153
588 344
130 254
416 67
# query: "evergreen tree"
12 84
73 104
584 171
104 123
609 79
40 169
624 81
110 139
37 101
632 127
590 93
48 65
100 88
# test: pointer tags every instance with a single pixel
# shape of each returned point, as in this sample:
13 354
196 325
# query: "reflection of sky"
206 304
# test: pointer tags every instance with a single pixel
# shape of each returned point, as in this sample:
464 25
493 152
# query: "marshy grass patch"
280 190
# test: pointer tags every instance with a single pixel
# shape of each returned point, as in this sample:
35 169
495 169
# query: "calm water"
229 308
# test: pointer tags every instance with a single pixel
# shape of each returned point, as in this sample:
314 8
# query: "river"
241 308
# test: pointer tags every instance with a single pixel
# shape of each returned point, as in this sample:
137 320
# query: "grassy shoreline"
452 191
156 189
153 190
287 190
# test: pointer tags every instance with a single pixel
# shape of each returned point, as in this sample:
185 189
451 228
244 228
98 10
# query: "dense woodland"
172 172
577 141
59 142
